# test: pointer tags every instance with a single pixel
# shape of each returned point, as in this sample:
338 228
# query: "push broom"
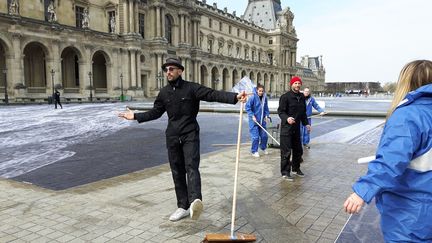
233 237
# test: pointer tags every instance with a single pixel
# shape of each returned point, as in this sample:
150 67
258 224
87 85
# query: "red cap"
295 79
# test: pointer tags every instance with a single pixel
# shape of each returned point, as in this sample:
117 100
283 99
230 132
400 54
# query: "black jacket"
56 95
292 105
181 99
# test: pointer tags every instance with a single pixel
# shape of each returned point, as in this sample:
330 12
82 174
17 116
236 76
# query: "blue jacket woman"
400 177
257 109
310 102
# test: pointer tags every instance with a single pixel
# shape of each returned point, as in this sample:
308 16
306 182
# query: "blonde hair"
412 76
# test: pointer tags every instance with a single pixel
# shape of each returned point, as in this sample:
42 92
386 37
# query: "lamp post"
91 86
5 86
160 79
52 80
121 87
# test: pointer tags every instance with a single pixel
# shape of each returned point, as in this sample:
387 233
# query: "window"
270 58
246 35
238 32
79 16
253 37
210 23
141 24
229 29
220 26
270 41
210 46
168 28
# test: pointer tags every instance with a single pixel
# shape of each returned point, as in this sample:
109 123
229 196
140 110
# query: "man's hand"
242 96
254 119
128 115
322 113
291 120
308 128
353 204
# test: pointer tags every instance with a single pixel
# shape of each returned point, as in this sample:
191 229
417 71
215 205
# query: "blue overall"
400 177
259 108
310 102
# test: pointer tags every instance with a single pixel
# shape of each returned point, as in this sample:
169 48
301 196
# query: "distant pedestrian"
57 99
181 99
400 177
310 102
258 112
292 112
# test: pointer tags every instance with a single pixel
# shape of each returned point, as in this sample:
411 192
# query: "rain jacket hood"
400 178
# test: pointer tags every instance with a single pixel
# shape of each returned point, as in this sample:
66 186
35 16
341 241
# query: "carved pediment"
110 5
81 2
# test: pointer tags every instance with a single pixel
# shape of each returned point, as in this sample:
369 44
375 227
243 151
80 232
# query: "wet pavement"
118 188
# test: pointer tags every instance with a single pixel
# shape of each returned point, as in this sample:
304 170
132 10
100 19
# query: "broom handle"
236 171
276 141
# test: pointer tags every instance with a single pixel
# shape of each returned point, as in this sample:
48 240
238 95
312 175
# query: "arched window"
168 28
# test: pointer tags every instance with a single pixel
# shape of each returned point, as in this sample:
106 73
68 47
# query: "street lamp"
52 80
121 87
91 86
160 77
5 86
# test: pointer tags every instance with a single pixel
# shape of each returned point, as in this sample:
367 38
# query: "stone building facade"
102 48
312 72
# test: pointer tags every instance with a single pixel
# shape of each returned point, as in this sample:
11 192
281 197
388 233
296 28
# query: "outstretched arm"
156 112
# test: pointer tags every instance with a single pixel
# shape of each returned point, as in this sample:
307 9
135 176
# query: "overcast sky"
360 40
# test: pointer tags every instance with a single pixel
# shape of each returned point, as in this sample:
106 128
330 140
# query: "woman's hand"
353 204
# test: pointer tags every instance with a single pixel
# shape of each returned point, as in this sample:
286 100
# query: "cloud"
367 40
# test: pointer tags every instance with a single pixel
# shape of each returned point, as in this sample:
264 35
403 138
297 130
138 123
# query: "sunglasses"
170 69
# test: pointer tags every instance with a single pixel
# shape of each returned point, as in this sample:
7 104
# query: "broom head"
213 238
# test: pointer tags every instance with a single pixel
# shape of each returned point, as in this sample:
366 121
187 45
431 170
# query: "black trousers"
288 143
184 159
55 103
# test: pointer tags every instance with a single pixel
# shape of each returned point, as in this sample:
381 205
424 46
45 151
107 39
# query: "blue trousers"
258 134
305 134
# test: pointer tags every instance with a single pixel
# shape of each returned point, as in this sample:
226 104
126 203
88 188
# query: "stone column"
181 37
124 56
158 21
125 16
131 16
138 68
186 28
136 19
163 23
186 66
16 64
57 62
133 67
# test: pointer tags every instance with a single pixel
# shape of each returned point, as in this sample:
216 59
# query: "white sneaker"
179 214
256 155
196 209
265 152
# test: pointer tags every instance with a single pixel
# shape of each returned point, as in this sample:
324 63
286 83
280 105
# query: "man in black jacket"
292 112
180 99
56 97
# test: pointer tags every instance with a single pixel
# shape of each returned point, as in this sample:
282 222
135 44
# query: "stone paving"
135 207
